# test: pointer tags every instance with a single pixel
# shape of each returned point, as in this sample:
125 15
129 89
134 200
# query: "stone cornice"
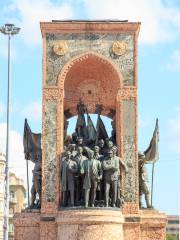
87 26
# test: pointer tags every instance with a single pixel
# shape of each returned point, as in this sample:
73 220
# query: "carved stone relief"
50 144
129 149
99 43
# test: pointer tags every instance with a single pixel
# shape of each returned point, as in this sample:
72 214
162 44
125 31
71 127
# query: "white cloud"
160 19
28 14
160 22
177 109
174 133
17 163
174 64
33 111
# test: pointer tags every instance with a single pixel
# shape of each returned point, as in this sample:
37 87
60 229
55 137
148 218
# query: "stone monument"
91 185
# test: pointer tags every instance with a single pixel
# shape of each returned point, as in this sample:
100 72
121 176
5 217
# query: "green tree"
171 237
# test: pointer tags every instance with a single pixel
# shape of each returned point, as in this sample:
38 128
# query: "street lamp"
10 30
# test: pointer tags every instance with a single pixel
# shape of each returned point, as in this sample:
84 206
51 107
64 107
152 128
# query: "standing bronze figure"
37 182
122 166
68 171
143 181
92 171
81 129
110 167
33 152
79 159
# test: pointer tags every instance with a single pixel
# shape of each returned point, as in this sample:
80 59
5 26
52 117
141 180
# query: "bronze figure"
91 168
110 167
69 169
143 181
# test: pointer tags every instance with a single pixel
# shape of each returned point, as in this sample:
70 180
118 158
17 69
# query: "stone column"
126 119
53 125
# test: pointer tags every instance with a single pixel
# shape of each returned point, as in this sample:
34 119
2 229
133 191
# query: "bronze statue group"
91 170
91 176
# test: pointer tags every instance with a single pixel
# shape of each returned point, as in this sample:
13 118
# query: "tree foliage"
171 237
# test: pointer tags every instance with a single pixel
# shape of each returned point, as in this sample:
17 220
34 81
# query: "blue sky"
158 76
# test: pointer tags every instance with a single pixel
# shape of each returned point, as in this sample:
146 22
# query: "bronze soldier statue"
110 167
36 187
72 148
97 154
81 129
100 187
92 171
79 159
109 144
143 181
124 167
101 147
33 152
68 171
80 142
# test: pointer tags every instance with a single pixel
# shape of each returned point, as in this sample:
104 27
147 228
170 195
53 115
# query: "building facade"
172 225
17 200
2 178
17 193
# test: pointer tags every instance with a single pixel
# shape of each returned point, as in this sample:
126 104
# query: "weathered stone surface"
90 225
129 150
81 43
50 149
26 226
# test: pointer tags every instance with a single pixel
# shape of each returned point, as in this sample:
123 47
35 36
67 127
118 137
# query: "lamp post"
9 30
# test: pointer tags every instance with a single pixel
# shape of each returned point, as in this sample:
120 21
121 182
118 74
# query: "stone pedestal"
26 226
91 224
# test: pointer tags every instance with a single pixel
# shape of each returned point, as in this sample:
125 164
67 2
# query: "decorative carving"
129 150
129 146
97 43
52 93
50 149
60 48
119 48
127 93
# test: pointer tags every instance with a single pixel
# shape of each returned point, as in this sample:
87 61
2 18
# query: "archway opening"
93 79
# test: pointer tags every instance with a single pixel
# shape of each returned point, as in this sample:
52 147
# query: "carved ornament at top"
119 48
60 48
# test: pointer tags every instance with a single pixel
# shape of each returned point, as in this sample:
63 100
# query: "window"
11 228
173 222
12 195
11 211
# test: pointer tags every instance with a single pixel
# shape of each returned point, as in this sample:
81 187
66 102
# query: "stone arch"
93 78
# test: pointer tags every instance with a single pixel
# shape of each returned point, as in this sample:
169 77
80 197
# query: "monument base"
90 224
